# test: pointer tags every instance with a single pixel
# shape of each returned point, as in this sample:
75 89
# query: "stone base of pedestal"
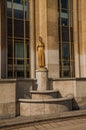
44 106
48 94
44 101
42 79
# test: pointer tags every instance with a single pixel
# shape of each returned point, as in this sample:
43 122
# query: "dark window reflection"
9 74
71 35
66 46
18 1
18 14
28 51
9 0
9 21
18 28
66 63
65 51
66 73
18 38
9 12
28 74
64 22
64 4
65 34
9 49
20 74
27 29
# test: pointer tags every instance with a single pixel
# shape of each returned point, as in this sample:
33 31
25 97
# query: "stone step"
30 107
48 94
24 121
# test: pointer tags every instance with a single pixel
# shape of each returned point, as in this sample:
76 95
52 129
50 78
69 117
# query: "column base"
42 79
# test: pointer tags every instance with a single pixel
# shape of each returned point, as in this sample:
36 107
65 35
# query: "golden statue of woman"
41 55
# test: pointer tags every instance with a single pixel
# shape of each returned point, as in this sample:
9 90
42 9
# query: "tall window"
66 44
18 38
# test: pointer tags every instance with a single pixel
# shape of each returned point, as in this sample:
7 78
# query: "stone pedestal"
42 79
43 100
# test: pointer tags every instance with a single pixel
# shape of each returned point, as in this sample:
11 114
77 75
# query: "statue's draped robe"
41 55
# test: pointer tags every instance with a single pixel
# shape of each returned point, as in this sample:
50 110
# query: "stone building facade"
62 26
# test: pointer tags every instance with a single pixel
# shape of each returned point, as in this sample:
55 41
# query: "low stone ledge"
67 79
44 92
7 80
30 107
45 100
27 79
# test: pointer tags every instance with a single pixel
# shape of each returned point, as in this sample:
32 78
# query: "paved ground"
75 120
68 124
72 124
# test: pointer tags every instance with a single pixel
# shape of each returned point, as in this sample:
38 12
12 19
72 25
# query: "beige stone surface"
7 98
65 87
45 106
37 109
7 92
81 89
42 79
49 94
25 109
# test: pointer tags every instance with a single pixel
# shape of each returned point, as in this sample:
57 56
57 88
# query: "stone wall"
72 87
24 86
7 98
10 91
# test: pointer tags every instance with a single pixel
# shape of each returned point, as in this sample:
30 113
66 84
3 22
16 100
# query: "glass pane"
18 28
64 4
19 61
66 73
65 34
27 10
10 50
64 15
64 19
28 55
20 74
18 1
64 22
9 74
66 64
71 35
18 25
27 29
9 9
18 11
19 50
18 14
10 61
65 51
9 0
9 23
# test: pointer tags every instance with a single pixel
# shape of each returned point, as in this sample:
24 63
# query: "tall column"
82 36
32 40
52 39
76 38
47 28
